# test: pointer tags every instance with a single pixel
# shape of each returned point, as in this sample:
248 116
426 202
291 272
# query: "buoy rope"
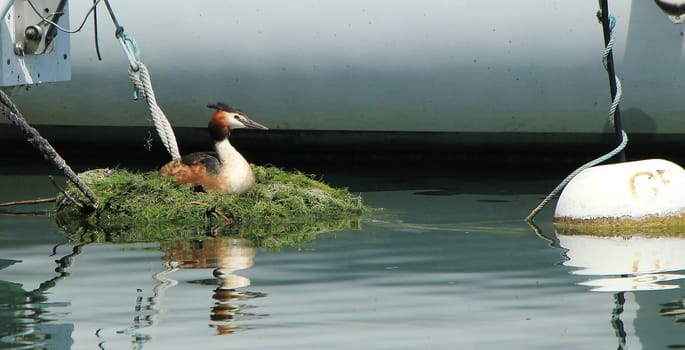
568 178
10 111
612 39
607 61
140 77
612 117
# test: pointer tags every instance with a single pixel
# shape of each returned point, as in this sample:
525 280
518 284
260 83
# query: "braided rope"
10 111
612 118
142 82
612 38
563 183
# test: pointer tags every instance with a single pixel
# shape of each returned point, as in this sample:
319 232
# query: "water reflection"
225 256
625 263
675 309
23 317
27 318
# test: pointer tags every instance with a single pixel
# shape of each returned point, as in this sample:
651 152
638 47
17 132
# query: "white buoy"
632 191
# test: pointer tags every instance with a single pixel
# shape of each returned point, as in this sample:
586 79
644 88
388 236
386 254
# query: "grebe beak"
249 123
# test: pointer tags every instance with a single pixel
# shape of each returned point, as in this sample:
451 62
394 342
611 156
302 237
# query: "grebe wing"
208 160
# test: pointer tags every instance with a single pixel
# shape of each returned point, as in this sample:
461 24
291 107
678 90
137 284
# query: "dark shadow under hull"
86 147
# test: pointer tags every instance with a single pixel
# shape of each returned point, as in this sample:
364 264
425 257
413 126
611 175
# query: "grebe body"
224 171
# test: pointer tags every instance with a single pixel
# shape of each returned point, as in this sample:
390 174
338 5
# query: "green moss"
282 208
650 226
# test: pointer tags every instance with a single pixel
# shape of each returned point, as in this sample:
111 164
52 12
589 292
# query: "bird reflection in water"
225 256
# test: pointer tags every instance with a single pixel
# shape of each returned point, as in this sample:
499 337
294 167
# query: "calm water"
446 264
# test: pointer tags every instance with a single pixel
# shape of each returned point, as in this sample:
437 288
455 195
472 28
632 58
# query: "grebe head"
227 118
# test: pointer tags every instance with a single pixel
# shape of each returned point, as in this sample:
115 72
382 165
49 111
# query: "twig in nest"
191 203
28 201
214 231
211 210
214 211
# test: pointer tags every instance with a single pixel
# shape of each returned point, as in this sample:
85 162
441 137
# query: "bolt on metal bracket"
32 50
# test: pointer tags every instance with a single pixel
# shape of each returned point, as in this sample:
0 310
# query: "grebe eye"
236 117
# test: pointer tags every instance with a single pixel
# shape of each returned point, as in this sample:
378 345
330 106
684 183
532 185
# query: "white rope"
590 164
602 159
612 118
140 77
141 80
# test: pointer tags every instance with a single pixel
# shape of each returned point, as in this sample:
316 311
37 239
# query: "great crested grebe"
226 170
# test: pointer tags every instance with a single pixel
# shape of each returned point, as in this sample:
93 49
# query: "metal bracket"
34 35
32 50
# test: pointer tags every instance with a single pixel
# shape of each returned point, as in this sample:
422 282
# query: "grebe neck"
225 150
236 174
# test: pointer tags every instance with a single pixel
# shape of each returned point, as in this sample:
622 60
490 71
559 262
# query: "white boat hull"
436 65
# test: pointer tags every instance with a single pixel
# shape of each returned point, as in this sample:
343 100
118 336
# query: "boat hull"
430 66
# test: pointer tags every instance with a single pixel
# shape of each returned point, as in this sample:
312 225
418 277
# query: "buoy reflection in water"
625 263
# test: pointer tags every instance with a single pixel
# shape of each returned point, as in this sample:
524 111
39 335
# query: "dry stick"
9 110
29 201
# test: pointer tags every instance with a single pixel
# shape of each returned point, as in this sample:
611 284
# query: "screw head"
19 49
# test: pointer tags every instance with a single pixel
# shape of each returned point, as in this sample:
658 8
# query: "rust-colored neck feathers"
218 126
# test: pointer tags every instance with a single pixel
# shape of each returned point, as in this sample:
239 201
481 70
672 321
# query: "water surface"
443 263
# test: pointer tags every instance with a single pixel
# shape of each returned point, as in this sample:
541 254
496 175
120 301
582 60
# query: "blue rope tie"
612 38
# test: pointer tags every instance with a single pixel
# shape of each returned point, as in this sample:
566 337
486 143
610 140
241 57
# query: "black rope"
57 26
9 110
616 323
95 30
618 128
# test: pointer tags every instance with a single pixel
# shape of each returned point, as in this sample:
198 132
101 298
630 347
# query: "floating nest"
283 208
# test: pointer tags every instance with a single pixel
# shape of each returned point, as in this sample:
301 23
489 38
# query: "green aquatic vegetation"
283 208
649 226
